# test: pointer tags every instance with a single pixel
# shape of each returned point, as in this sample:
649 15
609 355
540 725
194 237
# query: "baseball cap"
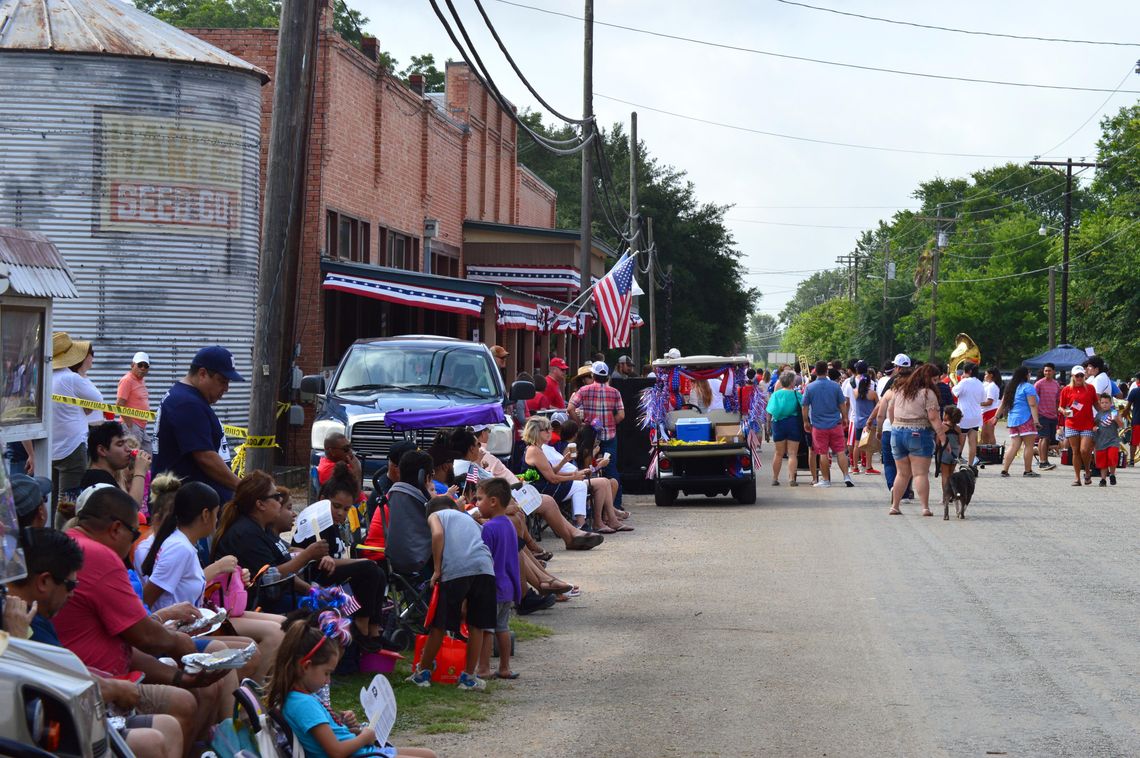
860 366
141 357
29 492
625 359
889 367
559 417
673 353
219 360
499 351
86 494
902 360
397 451
600 369
479 428
557 362
1078 369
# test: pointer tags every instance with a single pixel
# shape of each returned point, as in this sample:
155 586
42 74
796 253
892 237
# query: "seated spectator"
162 491
105 624
466 447
245 532
367 580
568 432
29 494
409 538
173 575
557 476
442 459
588 458
382 482
53 561
308 656
107 448
337 449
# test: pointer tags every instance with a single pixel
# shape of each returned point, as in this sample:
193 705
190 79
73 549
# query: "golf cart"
708 453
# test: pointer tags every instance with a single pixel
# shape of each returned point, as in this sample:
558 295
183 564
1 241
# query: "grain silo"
134 147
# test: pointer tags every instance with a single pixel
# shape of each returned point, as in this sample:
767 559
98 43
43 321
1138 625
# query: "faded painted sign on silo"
134 147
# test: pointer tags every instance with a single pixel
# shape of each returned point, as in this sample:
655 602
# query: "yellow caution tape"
121 410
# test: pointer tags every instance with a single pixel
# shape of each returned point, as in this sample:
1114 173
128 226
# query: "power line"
1092 115
800 138
960 31
820 61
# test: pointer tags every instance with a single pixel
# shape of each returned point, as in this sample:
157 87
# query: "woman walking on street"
915 424
784 413
992 386
1020 403
1078 406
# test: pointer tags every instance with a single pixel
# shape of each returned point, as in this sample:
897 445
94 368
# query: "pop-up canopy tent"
1063 357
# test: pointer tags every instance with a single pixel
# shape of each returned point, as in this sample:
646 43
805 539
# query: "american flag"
613 297
473 474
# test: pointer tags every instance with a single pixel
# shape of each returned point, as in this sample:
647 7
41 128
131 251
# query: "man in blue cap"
30 495
188 435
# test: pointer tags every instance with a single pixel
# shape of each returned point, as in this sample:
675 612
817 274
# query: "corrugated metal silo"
134 147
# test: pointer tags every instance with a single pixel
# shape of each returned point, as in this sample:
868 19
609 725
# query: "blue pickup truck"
408 373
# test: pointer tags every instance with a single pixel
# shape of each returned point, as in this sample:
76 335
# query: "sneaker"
1032 474
420 677
1005 473
822 483
1112 479
1103 483
871 471
1047 466
847 481
468 682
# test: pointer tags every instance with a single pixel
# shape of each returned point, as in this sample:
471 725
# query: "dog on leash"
961 491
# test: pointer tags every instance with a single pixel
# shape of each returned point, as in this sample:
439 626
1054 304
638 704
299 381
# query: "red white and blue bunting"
636 321
517 314
406 294
535 278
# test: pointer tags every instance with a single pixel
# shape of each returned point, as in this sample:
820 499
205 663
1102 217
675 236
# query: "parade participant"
783 413
110 456
861 399
600 405
133 393
1133 407
1020 403
970 394
1107 440
1078 406
1048 395
1097 375
950 451
823 410
189 435
915 425
992 385
625 369
70 361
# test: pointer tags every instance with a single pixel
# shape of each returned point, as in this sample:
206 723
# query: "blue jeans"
890 470
610 447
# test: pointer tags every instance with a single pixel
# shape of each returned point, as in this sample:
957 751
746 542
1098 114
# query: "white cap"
141 357
673 353
902 359
479 428
1078 369
559 417
600 369
86 494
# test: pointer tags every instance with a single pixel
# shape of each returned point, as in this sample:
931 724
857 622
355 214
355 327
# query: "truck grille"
375 438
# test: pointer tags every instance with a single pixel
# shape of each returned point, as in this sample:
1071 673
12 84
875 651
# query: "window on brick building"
347 238
400 250
444 263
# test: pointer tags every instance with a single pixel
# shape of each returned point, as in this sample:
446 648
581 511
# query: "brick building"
418 217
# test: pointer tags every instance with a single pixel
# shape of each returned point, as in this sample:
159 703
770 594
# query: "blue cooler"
694 430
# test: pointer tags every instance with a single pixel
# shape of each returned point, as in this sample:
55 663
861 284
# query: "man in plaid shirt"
600 405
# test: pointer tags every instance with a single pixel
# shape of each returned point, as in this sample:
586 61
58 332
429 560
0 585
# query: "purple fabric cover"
462 415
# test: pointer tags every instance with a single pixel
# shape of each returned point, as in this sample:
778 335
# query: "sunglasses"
135 533
278 496
69 584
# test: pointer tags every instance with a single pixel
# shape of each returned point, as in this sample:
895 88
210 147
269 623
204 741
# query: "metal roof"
34 266
105 27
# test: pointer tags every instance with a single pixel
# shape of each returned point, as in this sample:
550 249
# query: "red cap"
557 362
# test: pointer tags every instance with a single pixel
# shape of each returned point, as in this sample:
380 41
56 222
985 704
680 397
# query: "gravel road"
814 624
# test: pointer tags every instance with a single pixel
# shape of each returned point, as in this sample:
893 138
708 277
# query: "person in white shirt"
1098 376
70 361
993 388
970 394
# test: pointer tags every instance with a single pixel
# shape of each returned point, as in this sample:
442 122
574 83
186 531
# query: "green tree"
822 332
817 288
247 14
425 66
764 335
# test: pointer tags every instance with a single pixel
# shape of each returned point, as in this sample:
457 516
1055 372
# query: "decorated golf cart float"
707 453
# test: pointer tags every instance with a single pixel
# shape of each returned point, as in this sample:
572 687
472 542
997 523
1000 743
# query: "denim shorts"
786 429
908 442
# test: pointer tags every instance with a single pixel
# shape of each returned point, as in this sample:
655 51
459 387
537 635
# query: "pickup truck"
408 373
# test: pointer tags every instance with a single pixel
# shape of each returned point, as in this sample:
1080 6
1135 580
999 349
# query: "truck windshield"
459 370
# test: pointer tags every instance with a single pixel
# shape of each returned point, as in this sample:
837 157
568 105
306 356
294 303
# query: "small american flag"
473 474
613 297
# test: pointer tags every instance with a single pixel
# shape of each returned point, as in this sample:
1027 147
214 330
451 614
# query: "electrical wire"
820 61
519 73
786 223
549 145
1092 115
800 138
934 27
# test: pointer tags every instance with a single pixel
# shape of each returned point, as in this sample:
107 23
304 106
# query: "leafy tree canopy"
425 66
822 332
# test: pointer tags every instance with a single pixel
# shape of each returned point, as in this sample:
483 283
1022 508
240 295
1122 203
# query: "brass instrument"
965 350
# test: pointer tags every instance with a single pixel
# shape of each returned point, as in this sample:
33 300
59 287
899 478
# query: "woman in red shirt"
1078 406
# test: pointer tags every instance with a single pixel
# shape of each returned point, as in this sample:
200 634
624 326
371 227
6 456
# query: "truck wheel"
664 496
745 493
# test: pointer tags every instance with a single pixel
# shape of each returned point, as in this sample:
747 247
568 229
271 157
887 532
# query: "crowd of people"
915 412
152 532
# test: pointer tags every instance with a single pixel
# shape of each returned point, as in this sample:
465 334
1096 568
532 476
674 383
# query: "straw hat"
67 352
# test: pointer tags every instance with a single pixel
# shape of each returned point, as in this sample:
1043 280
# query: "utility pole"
845 260
634 219
653 354
586 253
1068 164
284 208
1052 307
884 347
939 243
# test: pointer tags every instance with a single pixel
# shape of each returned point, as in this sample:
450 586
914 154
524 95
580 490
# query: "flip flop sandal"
511 675
561 598
624 528
574 592
623 515
605 530
545 555
894 512
927 512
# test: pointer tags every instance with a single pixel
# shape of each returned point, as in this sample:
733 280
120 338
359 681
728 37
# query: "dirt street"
814 624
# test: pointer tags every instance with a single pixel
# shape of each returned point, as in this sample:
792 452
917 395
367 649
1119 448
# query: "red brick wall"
537 202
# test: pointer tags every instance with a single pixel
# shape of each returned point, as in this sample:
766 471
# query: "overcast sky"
765 176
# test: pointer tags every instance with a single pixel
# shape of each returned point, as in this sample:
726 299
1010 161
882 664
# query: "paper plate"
208 614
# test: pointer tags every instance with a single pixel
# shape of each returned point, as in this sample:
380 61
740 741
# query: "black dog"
961 491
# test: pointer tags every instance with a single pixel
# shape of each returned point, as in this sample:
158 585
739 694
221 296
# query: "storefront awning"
430 298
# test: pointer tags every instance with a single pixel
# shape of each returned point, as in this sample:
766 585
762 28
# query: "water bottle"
270 585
